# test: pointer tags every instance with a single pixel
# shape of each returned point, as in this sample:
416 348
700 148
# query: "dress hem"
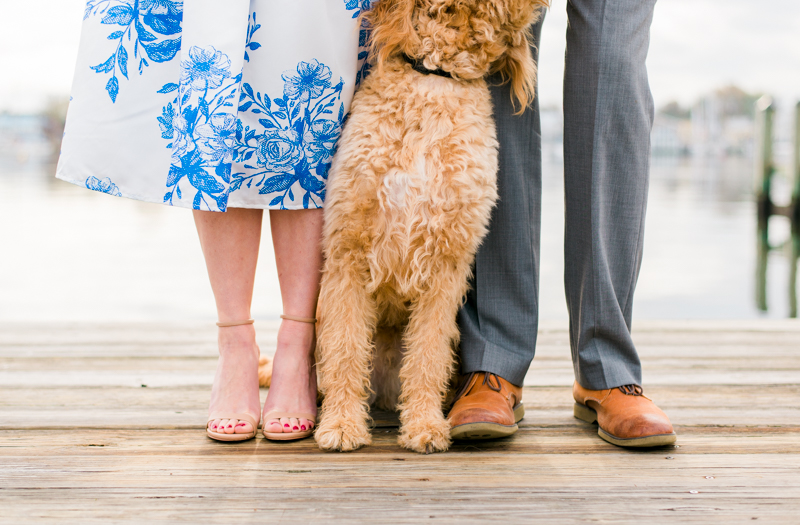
127 195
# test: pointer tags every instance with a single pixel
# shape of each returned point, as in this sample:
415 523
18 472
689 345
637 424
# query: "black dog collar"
417 66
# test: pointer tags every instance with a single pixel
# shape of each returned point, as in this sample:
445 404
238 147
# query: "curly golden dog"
409 200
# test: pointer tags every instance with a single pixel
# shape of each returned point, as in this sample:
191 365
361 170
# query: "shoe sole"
227 438
287 436
481 431
589 415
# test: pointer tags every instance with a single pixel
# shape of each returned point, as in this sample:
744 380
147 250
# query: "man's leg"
608 115
498 322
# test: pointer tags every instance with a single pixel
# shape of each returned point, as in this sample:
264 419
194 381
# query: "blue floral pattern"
357 6
202 128
248 116
363 53
148 30
251 45
104 186
288 156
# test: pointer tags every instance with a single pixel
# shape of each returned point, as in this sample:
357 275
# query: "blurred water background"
69 254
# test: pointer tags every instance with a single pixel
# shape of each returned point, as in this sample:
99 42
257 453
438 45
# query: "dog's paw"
334 434
425 437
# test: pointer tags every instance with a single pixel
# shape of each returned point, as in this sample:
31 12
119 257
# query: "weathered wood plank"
578 438
714 333
674 353
517 462
579 473
469 484
409 505
760 369
119 407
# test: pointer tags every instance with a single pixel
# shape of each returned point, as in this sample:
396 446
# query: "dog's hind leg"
385 368
428 362
347 317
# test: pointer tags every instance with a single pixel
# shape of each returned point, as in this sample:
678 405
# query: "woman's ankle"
237 339
297 334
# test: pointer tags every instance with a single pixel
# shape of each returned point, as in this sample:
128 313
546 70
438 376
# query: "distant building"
671 136
720 124
23 137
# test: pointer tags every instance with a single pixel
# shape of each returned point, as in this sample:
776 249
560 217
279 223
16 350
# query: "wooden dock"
104 424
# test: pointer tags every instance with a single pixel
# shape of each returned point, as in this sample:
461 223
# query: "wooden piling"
765 168
796 167
795 217
765 165
764 171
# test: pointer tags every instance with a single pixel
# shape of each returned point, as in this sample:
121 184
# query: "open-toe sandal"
288 436
221 436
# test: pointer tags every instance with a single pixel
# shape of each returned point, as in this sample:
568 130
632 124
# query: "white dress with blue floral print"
207 104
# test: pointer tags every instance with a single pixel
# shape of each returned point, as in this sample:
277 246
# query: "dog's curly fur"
409 200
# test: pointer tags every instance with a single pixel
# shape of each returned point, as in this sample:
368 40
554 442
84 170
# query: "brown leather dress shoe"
486 407
624 415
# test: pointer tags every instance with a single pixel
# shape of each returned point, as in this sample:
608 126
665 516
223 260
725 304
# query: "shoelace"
488 383
632 390
463 387
487 380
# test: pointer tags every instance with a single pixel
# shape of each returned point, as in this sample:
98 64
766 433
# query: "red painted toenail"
302 427
295 428
240 425
286 425
229 426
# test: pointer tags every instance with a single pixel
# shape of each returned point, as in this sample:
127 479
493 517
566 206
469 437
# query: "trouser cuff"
487 357
608 379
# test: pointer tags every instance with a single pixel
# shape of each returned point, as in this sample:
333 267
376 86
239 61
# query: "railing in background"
765 171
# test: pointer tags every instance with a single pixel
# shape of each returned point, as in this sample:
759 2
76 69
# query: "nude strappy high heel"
219 436
290 436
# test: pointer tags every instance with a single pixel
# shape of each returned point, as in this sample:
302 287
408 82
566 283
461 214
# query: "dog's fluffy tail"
264 371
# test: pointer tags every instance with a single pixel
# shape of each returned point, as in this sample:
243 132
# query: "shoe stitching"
600 402
516 401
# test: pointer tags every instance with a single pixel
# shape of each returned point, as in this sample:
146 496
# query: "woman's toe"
285 425
212 425
223 426
274 425
294 424
242 427
304 424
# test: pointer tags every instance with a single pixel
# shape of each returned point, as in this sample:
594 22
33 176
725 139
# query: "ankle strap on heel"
311 320
236 323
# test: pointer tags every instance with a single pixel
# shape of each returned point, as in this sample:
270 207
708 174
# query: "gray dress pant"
608 115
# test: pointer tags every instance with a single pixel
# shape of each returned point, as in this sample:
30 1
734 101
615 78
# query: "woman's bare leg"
297 238
230 243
